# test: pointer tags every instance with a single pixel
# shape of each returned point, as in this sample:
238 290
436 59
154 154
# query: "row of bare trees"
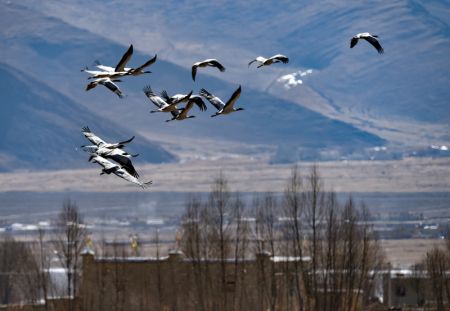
323 254
25 267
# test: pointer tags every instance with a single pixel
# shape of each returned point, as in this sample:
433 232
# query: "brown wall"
177 283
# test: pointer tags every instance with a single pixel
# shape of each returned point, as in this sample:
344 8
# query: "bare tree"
294 208
18 272
236 282
43 274
266 210
195 245
69 240
314 210
159 285
219 212
437 263
342 248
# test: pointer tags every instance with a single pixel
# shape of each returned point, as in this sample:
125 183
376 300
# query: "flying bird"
207 62
118 155
109 167
279 58
130 71
110 72
181 98
175 99
222 108
163 105
182 113
97 74
108 83
100 142
372 39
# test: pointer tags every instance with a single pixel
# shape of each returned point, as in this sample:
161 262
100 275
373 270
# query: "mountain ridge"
41 129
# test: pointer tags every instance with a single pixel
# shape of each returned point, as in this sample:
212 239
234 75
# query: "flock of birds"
102 152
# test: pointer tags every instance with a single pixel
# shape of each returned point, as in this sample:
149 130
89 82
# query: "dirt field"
404 253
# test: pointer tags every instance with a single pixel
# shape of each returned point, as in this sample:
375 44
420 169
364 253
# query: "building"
175 282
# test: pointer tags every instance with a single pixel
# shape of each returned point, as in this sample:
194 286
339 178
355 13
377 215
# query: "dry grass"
246 173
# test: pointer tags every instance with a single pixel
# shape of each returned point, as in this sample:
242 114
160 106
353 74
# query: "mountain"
52 51
41 128
402 95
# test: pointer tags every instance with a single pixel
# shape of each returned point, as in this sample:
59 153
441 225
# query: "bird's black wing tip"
147 90
164 94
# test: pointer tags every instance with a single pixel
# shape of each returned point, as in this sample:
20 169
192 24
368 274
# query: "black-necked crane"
181 98
182 113
279 58
110 72
212 62
108 83
163 105
100 142
130 71
222 108
372 39
118 155
109 167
